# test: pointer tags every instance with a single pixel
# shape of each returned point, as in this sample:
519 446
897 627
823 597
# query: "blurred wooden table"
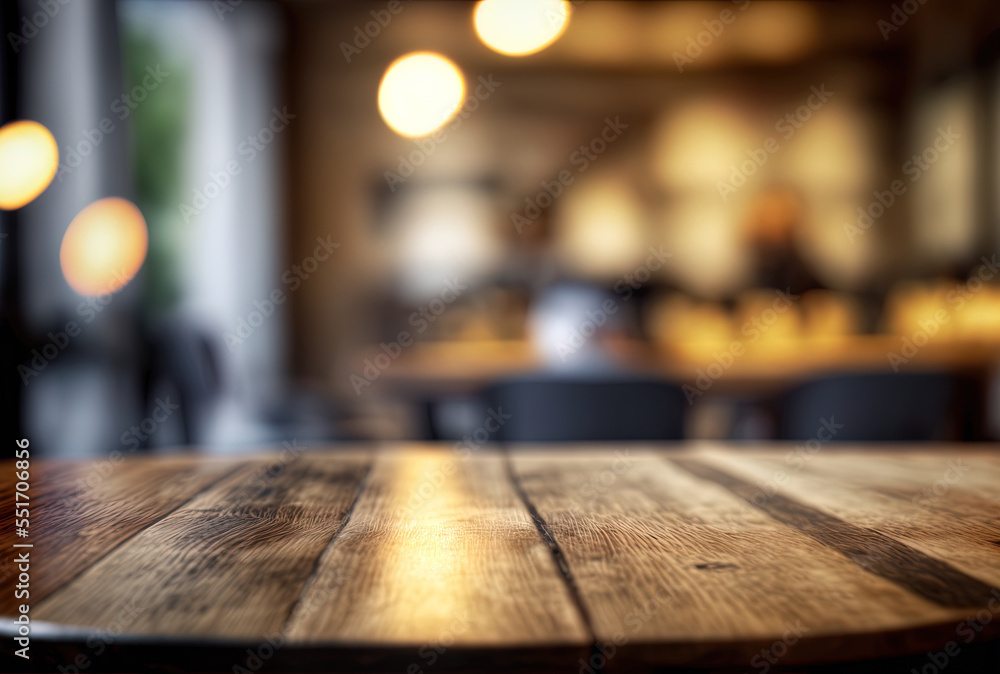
766 366
418 559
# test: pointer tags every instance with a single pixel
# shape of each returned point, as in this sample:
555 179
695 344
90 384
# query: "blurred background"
311 222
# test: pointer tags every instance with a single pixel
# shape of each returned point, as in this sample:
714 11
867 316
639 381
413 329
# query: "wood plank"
953 478
440 565
82 510
230 563
924 575
884 494
440 551
678 570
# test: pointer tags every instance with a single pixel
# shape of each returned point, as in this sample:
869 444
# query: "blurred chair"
582 393
559 407
297 413
184 361
184 358
870 406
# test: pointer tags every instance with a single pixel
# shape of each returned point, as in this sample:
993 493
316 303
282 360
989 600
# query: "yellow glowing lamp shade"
419 93
104 247
520 27
29 158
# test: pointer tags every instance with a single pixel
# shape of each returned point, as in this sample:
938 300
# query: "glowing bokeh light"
600 231
520 27
419 93
777 31
104 246
29 159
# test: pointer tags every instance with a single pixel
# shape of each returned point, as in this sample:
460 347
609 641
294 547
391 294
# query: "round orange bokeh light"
104 247
29 159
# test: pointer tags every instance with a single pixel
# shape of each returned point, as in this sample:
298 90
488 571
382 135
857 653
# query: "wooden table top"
417 558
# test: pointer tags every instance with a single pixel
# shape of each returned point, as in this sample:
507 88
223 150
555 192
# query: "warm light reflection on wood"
429 556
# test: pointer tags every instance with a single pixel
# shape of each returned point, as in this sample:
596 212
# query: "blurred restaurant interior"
317 222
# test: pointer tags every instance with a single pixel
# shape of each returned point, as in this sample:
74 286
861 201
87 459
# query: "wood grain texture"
439 549
413 559
945 505
230 563
80 511
921 574
683 572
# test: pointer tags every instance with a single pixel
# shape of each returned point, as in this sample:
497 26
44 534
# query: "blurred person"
574 327
587 389
770 236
